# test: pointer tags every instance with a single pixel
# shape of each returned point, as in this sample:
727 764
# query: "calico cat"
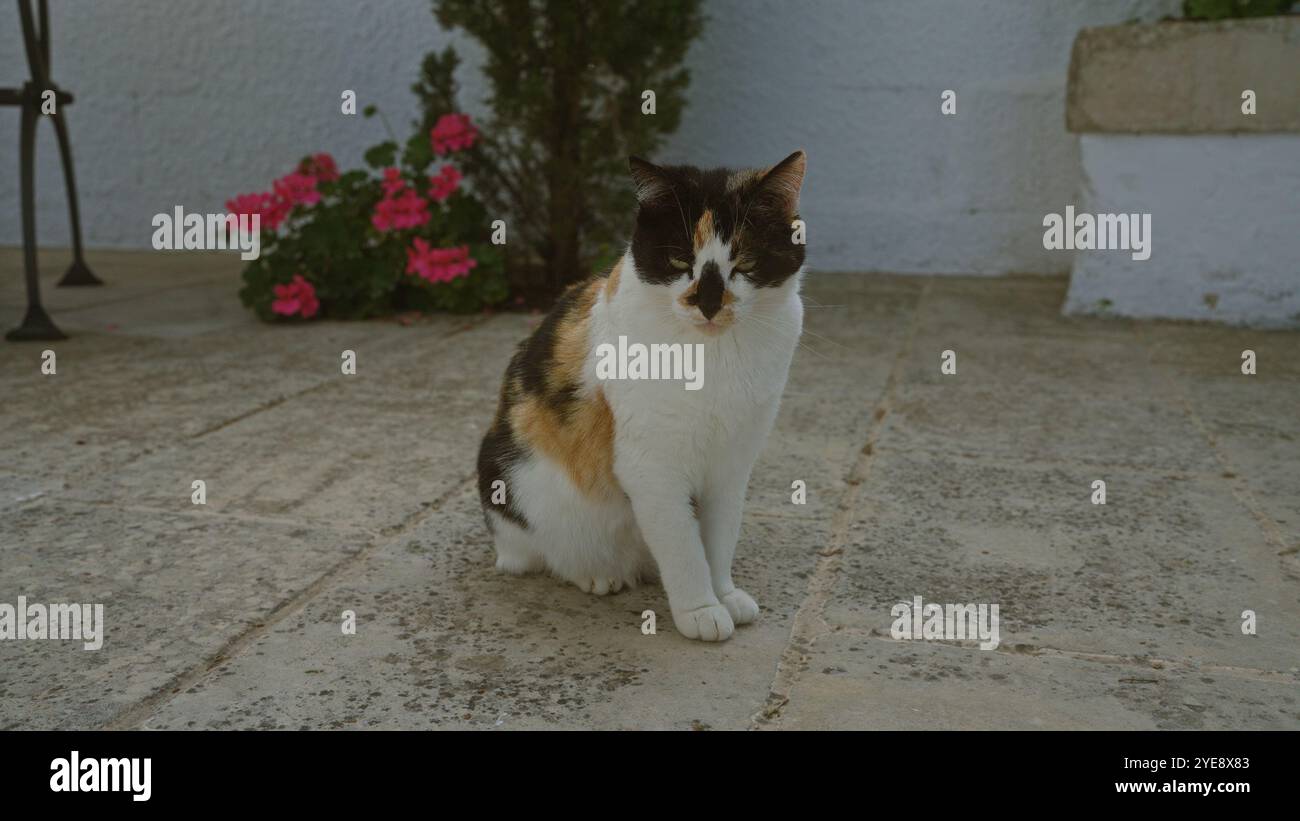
604 481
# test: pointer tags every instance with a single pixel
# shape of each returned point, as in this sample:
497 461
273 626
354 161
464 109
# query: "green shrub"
1225 9
567 79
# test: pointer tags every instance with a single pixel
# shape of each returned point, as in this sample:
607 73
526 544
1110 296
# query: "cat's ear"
781 183
650 180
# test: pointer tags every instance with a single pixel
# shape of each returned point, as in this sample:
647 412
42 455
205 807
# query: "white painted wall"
1225 229
189 101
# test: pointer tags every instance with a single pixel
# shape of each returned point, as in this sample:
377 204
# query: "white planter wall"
1225 225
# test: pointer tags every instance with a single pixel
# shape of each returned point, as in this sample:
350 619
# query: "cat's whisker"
788 331
809 302
821 338
685 225
778 323
813 334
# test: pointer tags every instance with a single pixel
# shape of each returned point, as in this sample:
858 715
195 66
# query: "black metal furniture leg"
78 273
36 324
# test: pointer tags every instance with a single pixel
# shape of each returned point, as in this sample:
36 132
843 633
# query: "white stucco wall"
188 101
1224 228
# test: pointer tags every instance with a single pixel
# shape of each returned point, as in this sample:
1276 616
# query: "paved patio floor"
328 493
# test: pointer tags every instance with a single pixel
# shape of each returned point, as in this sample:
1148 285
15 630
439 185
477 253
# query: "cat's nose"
708 296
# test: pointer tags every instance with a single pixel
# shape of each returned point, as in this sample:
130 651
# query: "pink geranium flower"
444 183
272 208
393 184
321 167
401 207
406 210
438 264
297 298
297 188
452 132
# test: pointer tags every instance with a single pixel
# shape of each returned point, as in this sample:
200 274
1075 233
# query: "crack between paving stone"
1153 663
152 292
210 513
135 716
794 517
809 623
265 406
470 325
1237 483
997 461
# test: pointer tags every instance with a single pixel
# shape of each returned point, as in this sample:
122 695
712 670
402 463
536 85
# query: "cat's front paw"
741 606
709 623
599 585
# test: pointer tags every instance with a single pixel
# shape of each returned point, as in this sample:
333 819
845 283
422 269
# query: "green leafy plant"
568 105
1226 9
369 242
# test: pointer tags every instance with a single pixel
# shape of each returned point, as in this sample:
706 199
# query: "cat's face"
719 243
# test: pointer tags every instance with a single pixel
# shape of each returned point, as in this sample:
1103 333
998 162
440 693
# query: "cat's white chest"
741 376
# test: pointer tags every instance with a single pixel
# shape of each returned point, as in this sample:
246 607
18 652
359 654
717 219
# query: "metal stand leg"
36 324
78 273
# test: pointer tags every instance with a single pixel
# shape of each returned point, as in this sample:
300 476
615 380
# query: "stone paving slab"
1163 569
176 589
858 680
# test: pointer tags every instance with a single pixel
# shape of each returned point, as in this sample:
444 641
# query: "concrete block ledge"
1185 77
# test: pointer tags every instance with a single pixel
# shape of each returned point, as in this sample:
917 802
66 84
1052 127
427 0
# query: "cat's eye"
743 266
679 264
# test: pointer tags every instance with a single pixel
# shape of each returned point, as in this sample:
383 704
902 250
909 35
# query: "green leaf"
382 156
418 153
